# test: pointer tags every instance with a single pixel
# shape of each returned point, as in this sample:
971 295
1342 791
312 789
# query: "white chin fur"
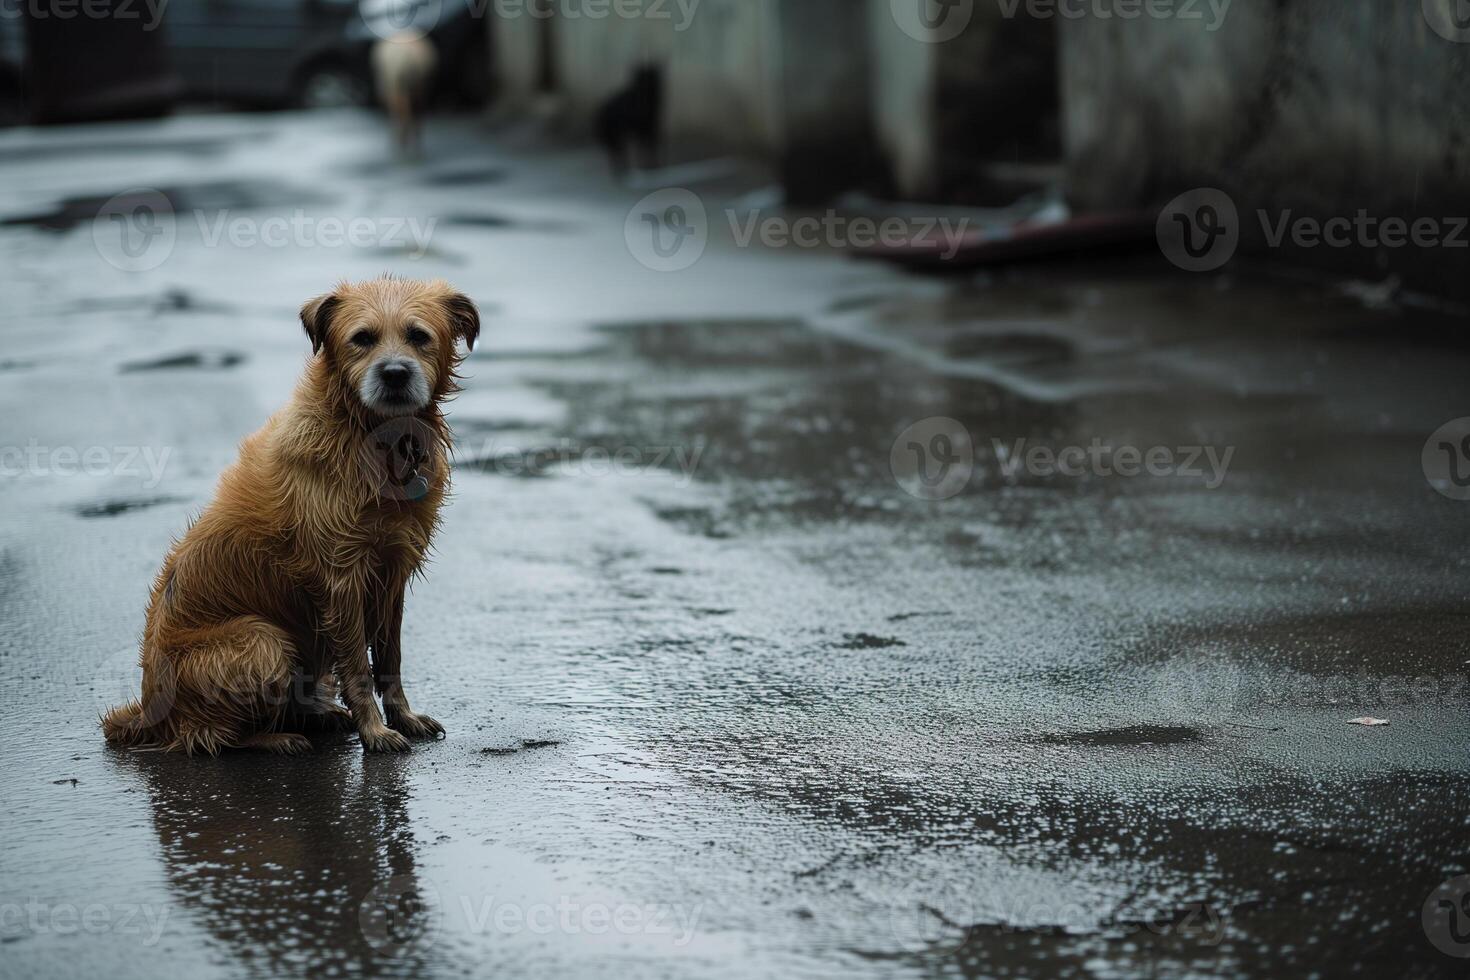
377 398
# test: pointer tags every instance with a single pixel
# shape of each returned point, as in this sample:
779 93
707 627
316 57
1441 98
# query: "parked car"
314 53
266 52
307 53
71 69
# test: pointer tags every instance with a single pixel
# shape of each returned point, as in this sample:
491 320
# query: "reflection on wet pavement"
724 698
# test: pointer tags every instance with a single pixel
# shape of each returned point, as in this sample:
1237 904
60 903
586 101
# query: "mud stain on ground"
526 745
500 222
1133 735
193 146
196 360
212 198
867 641
463 177
114 508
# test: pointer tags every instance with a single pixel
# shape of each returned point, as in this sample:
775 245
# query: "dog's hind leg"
280 744
218 688
314 708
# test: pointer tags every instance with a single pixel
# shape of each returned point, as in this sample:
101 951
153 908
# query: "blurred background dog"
630 123
403 71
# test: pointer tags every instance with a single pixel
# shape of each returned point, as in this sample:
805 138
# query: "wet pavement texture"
725 694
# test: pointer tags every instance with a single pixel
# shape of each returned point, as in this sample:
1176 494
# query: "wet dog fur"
287 591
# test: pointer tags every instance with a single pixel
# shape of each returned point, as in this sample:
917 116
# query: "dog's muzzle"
395 386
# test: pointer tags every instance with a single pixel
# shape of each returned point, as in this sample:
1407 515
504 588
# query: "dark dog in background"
630 123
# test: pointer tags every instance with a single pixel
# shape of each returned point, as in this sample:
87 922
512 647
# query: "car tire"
328 85
13 108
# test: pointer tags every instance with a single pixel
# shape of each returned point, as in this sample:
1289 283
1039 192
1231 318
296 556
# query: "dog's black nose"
394 375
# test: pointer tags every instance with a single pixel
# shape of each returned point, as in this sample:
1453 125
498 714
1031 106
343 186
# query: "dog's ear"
464 318
316 317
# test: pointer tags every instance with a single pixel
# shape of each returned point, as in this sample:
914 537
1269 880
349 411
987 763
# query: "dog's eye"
418 337
363 338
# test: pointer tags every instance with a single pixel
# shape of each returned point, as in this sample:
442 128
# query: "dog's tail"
126 725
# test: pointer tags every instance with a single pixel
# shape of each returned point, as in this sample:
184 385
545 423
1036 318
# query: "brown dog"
298 567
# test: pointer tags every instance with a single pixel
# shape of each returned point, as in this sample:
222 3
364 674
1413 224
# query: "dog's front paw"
383 740
415 725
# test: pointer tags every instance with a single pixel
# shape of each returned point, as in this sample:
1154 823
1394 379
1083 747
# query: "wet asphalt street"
727 693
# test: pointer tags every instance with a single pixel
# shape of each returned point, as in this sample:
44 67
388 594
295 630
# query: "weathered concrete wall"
968 88
1322 106
787 80
826 103
836 93
721 57
905 72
